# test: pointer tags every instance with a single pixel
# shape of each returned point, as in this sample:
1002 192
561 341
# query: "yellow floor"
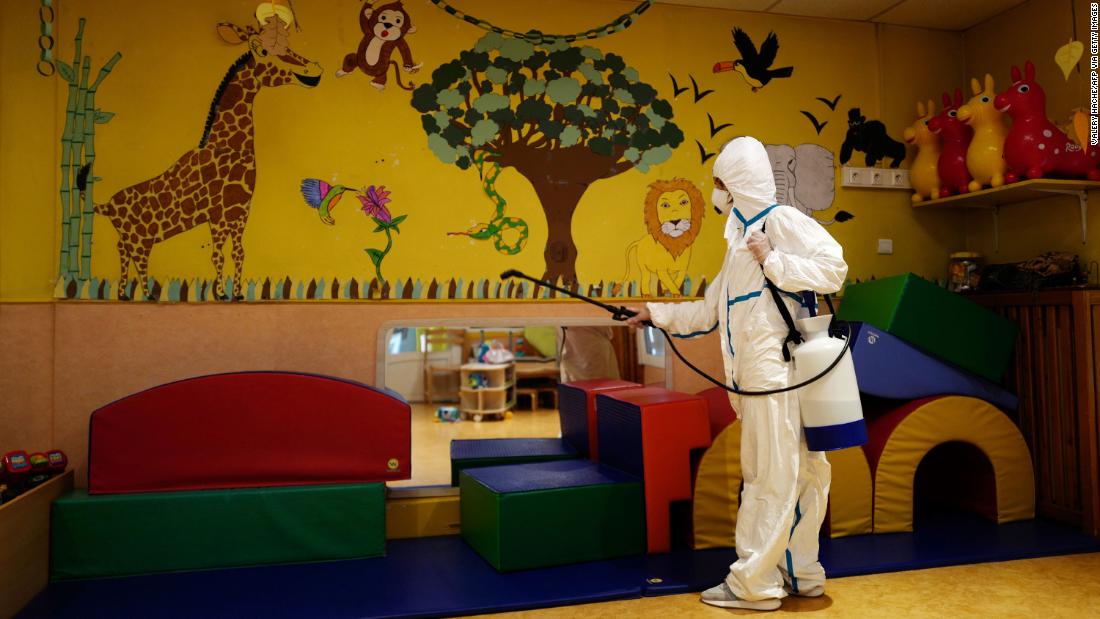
1066 586
431 440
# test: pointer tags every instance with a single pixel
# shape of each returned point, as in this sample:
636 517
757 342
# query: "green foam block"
541 528
942 323
123 534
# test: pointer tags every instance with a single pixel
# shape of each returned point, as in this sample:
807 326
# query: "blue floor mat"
437 576
442 576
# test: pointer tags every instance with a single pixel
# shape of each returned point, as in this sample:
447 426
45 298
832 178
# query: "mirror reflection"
466 382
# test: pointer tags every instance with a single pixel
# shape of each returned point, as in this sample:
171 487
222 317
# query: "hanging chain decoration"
46 65
621 23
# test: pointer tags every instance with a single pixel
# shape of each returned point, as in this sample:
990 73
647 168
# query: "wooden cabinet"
487 389
1055 372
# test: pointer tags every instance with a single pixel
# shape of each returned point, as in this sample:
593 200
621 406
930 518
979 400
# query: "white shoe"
813 592
722 596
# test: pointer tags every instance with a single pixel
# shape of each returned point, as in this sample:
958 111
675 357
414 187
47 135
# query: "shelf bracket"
1083 203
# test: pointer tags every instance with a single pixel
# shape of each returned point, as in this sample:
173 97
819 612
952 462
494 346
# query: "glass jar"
964 271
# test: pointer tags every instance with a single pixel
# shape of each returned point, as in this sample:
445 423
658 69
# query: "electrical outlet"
885 247
879 178
899 179
853 177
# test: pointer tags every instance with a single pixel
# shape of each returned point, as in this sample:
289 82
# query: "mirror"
499 379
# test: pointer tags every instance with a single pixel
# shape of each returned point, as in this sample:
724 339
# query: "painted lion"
673 217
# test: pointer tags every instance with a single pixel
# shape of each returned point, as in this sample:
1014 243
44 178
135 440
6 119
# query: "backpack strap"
794 336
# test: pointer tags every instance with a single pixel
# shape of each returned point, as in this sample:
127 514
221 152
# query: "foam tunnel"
902 437
718 483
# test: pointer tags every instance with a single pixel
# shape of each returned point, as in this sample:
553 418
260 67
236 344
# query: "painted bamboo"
68 175
92 117
75 212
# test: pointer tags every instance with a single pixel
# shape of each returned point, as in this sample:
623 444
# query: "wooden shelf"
496 398
25 543
1024 191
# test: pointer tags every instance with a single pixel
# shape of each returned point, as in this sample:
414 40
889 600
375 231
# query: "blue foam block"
619 425
573 416
888 367
547 476
509 448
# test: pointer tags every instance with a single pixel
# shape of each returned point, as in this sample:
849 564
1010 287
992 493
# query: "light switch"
886 246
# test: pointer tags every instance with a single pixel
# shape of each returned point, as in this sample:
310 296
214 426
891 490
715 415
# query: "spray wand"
621 313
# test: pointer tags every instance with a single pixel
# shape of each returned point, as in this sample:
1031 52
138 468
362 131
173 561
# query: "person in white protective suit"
786 487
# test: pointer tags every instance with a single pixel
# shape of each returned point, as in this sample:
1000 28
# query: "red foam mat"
249 429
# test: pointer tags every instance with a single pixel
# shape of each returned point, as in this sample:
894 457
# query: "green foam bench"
525 516
124 534
939 322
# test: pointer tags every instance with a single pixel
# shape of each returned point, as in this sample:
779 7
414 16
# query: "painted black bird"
714 129
754 66
695 90
818 126
831 104
676 88
703 154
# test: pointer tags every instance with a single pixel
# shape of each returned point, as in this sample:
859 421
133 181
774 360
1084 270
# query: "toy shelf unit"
487 389
1024 191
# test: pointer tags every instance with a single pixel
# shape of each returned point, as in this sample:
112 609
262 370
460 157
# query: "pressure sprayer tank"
832 416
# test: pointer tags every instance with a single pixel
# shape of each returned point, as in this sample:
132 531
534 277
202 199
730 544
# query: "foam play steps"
541 514
577 408
939 322
650 433
120 534
475 453
888 367
577 416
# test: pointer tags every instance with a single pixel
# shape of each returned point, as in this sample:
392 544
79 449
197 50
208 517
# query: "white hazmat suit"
786 487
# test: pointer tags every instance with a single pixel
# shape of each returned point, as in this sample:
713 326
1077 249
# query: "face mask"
722 201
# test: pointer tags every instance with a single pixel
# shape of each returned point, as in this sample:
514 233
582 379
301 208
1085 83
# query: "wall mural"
754 65
805 178
673 215
384 31
869 137
324 197
214 182
77 161
539 117
563 117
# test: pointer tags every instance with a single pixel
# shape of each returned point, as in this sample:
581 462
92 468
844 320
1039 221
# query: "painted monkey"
383 30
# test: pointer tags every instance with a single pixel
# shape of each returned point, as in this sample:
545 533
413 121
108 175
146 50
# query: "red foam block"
249 429
672 425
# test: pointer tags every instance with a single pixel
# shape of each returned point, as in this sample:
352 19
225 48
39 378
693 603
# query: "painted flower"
374 202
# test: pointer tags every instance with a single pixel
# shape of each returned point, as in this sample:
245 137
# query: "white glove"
759 246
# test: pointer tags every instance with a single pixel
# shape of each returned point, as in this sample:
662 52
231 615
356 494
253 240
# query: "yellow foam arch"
952 418
850 493
718 491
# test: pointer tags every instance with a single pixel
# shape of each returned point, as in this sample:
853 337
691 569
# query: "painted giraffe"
212 183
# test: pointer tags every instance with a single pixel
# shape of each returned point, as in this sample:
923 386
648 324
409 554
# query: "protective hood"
743 166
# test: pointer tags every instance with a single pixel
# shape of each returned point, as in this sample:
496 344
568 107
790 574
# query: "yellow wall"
172 61
62 360
1033 31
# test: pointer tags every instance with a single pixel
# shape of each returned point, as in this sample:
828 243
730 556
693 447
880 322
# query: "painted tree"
563 117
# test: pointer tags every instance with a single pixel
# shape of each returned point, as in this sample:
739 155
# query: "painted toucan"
753 65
